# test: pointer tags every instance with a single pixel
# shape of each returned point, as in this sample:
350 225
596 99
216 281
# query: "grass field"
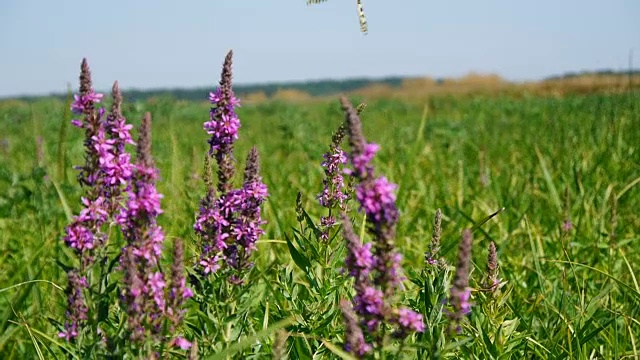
569 292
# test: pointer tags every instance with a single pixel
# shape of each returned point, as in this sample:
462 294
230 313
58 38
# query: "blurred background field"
470 118
550 152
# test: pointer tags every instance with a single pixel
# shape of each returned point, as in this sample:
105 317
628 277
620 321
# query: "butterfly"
363 19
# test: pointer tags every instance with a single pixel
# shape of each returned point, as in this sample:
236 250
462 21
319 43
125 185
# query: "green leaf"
300 260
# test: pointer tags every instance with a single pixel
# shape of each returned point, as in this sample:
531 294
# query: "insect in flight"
363 19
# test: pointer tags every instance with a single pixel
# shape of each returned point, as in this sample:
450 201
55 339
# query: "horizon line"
566 74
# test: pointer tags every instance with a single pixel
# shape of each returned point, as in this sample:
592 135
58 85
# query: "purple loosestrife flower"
107 169
85 235
133 296
77 309
223 126
178 295
368 301
229 221
369 304
209 225
116 165
377 198
239 220
182 343
249 220
326 223
355 343
84 104
359 261
460 292
408 321
333 194
145 292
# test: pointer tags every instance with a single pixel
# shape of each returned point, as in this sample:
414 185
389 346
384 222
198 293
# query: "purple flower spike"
77 310
223 126
82 103
376 275
460 292
359 261
228 222
133 294
361 161
182 343
377 198
178 294
409 321
106 173
242 211
144 291
355 342
333 193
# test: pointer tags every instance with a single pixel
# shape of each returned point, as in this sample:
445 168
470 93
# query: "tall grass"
568 292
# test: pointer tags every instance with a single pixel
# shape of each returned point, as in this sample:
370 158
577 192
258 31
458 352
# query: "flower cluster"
229 222
106 172
77 308
178 294
355 342
107 169
231 225
376 274
116 162
138 218
460 292
145 291
333 194
85 233
223 126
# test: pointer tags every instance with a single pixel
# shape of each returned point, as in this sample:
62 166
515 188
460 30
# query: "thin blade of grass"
32 281
555 198
336 350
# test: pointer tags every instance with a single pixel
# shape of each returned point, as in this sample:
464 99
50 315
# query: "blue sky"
151 44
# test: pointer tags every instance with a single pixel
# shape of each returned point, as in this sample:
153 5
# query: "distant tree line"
603 72
313 88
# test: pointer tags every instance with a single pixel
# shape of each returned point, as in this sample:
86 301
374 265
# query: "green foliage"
565 293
